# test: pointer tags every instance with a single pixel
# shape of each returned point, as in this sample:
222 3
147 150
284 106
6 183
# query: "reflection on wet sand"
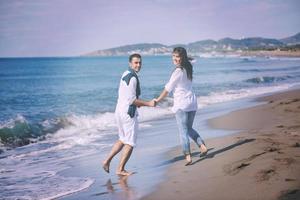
126 191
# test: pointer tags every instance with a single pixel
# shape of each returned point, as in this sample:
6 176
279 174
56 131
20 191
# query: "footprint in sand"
296 144
292 101
289 179
233 169
290 194
285 161
271 149
294 127
269 140
242 165
265 175
288 110
295 100
236 167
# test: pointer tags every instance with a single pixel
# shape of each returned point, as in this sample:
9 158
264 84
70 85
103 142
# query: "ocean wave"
218 55
292 68
269 79
19 132
40 182
283 58
230 95
247 60
69 131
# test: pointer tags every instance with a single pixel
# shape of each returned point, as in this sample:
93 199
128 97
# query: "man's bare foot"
188 160
203 150
105 166
124 173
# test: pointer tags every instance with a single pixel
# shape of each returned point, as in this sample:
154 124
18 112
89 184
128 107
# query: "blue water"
55 109
43 92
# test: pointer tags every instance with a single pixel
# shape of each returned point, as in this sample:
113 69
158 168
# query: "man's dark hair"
135 55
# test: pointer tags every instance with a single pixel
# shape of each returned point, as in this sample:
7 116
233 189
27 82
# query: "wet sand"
262 161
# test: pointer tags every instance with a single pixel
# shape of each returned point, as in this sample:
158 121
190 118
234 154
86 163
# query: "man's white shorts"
128 128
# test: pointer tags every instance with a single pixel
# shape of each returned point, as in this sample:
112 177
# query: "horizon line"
82 54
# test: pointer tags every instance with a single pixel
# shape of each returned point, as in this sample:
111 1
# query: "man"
126 114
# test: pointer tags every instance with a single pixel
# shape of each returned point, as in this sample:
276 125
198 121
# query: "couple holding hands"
185 107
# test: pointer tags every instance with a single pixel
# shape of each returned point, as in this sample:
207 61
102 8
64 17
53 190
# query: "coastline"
273 53
149 160
262 161
254 53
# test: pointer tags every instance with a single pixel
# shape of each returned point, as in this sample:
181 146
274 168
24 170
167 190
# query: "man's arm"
132 95
139 103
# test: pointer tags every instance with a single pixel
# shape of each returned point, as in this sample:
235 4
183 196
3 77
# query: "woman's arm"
162 95
169 87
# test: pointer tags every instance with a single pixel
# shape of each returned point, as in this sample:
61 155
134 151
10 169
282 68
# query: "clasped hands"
153 102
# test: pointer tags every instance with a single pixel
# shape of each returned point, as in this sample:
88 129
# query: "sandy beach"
262 161
64 159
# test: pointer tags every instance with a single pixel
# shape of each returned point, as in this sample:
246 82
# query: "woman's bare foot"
188 160
105 166
124 173
203 150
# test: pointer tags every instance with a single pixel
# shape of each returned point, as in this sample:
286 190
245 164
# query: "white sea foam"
229 95
218 55
12 122
37 183
283 58
35 175
100 121
85 129
85 183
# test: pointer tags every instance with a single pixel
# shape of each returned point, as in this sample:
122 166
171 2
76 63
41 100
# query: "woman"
185 102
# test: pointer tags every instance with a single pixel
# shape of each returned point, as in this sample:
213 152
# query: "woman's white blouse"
184 97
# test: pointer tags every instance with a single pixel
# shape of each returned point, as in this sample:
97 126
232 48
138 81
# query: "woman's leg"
182 118
194 134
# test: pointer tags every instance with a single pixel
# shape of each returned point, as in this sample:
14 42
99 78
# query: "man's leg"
127 150
114 151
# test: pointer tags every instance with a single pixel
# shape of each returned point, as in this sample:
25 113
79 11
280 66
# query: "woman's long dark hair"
185 63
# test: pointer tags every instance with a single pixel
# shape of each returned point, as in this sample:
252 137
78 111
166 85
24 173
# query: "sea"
56 110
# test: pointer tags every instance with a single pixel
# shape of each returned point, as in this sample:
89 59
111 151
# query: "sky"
37 28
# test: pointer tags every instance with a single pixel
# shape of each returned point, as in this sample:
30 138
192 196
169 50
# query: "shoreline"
273 53
254 53
149 159
261 161
153 162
